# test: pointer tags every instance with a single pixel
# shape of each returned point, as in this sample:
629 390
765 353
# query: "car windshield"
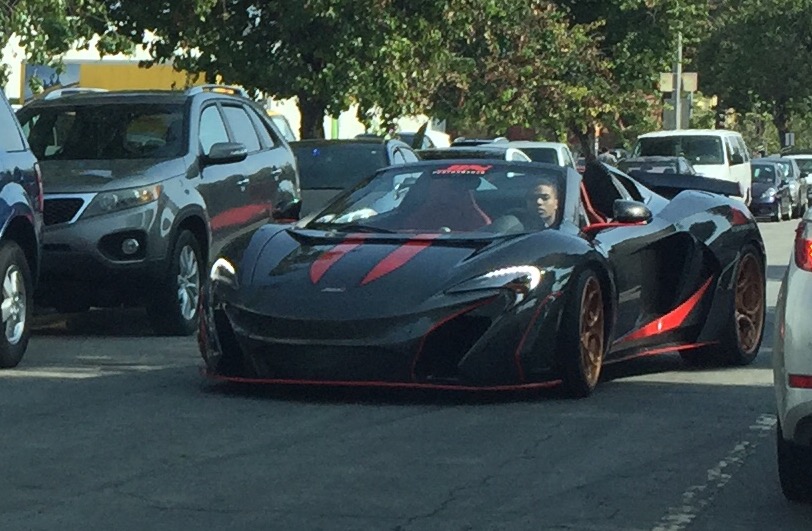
337 165
450 197
698 149
805 165
763 174
548 155
648 166
105 131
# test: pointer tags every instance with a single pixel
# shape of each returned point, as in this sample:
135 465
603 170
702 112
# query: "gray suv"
142 189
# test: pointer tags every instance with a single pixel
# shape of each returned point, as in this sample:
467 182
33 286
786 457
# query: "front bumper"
470 344
83 258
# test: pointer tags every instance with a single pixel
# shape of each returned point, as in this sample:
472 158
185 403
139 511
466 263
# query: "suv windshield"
338 165
448 197
698 149
105 131
548 155
763 174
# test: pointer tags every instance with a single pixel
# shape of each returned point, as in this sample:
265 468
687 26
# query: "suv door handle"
276 172
243 182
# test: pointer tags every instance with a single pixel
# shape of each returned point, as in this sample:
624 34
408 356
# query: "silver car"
792 369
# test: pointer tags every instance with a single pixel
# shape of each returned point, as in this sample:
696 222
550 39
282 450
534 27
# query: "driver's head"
542 200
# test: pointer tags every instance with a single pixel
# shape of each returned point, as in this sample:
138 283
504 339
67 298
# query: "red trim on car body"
800 381
399 257
662 350
323 263
517 353
669 321
396 385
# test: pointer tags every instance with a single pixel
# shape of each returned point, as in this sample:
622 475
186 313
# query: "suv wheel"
174 309
17 304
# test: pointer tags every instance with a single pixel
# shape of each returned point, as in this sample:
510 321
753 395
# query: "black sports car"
488 274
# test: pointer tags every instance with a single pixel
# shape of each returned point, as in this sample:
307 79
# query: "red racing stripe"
671 320
324 262
399 257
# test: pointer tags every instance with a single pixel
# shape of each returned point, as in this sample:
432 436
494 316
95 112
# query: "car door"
17 163
222 186
282 193
258 186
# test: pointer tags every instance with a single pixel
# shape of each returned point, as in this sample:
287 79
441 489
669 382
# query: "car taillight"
40 192
803 246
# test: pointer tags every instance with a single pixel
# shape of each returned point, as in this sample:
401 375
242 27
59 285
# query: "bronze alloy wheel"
592 331
749 303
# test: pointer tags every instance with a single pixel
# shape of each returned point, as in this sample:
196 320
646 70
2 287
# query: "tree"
757 54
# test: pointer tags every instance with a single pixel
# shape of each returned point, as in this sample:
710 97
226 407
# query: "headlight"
224 272
521 280
769 192
107 202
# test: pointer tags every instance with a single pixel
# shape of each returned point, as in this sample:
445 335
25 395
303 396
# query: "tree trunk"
781 119
312 125
587 149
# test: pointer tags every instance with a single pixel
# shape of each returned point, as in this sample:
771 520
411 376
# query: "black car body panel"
357 306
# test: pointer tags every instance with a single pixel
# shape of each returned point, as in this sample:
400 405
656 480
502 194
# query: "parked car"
656 164
142 188
282 125
799 191
502 275
20 236
328 167
715 153
792 369
804 161
492 151
550 152
772 196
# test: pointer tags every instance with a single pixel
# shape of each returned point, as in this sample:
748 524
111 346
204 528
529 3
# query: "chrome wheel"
13 308
592 332
188 282
749 304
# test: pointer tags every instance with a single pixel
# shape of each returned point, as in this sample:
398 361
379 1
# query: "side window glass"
743 149
212 128
242 127
268 140
397 157
10 139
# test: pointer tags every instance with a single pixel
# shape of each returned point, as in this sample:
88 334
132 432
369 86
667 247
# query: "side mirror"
625 211
288 210
226 153
736 159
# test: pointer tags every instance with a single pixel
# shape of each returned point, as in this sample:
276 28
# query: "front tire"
794 469
17 305
174 309
583 334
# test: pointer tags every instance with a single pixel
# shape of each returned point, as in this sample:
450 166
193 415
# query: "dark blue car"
20 232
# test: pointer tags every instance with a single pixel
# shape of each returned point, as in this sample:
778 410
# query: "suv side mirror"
226 153
288 210
625 211
736 159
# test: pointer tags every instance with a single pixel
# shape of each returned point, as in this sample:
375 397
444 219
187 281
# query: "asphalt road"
104 427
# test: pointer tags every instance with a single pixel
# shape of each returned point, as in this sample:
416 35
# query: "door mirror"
736 158
626 211
288 210
226 153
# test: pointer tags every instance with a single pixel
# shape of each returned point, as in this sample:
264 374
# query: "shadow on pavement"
116 322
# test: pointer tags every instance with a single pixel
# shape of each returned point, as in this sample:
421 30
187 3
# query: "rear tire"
174 309
745 328
794 469
583 337
16 309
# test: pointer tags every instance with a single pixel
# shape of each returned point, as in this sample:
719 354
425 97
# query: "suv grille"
61 210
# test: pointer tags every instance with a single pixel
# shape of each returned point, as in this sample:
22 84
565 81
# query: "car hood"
760 188
362 276
84 176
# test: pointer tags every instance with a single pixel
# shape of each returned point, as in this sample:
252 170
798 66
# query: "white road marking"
697 497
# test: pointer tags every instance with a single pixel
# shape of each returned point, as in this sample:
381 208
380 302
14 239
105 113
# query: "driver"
542 204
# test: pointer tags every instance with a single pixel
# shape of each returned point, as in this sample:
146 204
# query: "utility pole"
678 86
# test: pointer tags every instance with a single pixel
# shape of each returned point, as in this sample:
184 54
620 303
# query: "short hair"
543 181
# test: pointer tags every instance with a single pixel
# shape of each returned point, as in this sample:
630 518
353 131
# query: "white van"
716 153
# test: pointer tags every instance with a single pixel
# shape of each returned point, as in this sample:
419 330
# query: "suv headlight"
107 202
768 193
521 280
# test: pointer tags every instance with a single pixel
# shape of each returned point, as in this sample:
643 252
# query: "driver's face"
543 200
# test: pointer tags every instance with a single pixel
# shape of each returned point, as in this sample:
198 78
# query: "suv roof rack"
67 91
221 89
